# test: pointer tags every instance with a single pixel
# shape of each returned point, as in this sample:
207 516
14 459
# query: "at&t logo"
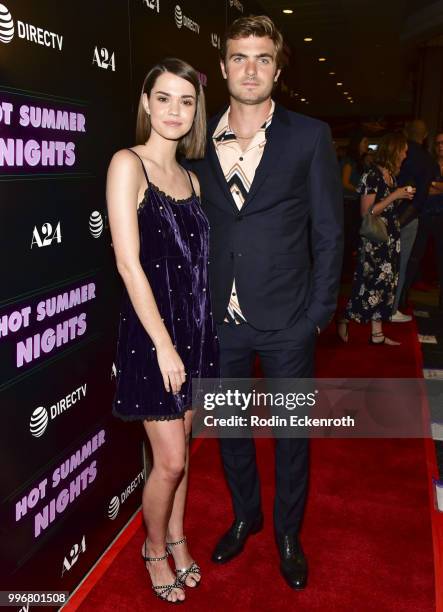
153 4
39 422
113 508
6 25
104 59
182 20
178 16
96 224
46 236
116 502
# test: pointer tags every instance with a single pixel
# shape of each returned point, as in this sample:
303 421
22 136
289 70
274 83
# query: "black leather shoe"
293 564
233 541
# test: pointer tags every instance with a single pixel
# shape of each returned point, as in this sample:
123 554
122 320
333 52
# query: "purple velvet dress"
174 236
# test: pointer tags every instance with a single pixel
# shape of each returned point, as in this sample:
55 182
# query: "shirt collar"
223 129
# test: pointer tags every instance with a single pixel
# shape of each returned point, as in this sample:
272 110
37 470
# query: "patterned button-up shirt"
239 169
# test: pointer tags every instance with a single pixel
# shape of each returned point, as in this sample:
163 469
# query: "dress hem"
152 417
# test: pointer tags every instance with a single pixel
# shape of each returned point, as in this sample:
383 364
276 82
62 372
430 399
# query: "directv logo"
40 417
182 20
116 502
96 224
6 25
113 508
27 31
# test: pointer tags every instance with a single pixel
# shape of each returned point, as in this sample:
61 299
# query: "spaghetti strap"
143 165
190 180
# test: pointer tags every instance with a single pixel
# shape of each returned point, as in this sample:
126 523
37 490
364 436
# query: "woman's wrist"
162 341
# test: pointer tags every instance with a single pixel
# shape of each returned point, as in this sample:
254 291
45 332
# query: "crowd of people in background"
401 184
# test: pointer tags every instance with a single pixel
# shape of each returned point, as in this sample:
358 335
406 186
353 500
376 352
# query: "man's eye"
237 59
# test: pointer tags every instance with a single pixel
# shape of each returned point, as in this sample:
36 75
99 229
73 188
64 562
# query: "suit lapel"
217 169
275 139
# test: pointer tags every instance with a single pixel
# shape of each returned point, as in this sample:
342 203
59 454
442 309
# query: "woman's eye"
162 99
188 102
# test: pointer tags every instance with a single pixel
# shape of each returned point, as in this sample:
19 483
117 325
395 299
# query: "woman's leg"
175 530
377 335
343 329
167 440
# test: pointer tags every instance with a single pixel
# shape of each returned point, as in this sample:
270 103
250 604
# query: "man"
417 170
430 223
271 189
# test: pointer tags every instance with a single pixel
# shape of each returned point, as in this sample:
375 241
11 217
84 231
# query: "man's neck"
246 119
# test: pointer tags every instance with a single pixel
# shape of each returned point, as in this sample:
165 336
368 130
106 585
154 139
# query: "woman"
166 332
353 167
376 275
353 164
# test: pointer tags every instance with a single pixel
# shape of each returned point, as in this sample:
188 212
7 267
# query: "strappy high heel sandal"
183 573
162 591
385 340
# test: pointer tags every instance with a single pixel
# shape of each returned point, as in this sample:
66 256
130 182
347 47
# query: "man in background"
417 170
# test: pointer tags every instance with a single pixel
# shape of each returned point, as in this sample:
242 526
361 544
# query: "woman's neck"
162 151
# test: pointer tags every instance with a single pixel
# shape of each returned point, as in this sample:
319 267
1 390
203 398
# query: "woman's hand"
404 193
171 368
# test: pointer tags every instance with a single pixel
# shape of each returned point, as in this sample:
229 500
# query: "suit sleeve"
326 206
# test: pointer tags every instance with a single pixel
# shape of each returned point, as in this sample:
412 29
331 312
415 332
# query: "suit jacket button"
239 218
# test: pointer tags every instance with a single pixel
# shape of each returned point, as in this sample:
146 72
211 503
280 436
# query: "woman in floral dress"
375 278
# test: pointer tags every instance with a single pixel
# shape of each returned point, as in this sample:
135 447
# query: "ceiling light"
303 99
288 11
345 93
321 59
339 84
332 73
308 39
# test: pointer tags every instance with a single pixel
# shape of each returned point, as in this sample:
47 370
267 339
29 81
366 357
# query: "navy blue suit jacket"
419 168
284 247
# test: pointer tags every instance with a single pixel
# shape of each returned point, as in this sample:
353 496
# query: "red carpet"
367 529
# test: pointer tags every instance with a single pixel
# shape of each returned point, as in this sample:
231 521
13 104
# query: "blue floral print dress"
375 279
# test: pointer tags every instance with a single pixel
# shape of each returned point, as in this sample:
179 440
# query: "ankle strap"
153 559
177 543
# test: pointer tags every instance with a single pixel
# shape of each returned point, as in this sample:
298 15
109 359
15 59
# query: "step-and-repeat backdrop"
70 75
